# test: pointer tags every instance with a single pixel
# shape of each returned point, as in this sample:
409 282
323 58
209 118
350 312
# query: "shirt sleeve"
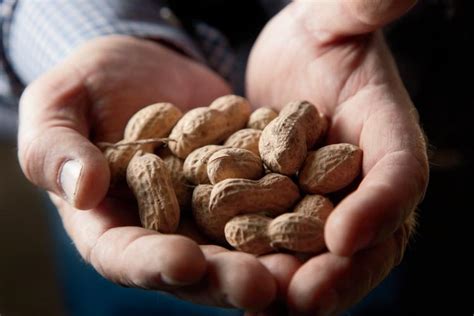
39 34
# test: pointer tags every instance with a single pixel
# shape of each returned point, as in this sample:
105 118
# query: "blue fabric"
36 35
39 34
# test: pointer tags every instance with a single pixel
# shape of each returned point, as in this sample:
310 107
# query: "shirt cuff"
39 34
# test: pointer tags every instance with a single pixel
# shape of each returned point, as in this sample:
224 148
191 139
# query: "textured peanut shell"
229 163
119 157
286 140
246 138
212 125
249 233
273 194
330 168
200 206
297 232
261 117
151 183
236 109
182 188
195 165
153 121
198 127
316 206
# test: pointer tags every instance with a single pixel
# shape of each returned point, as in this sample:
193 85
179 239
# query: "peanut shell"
248 233
330 168
261 117
246 138
151 183
297 232
286 140
153 121
195 165
212 125
229 163
273 194
316 206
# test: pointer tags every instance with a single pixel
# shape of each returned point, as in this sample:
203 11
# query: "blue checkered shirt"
37 34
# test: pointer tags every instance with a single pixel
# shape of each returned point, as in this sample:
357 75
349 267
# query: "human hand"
89 98
332 54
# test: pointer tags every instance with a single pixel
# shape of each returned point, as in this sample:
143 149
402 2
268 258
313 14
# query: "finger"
130 255
395 169
329 284
137 257
54 151
282 267
329 20
233 279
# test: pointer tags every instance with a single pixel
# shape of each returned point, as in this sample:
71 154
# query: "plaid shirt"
37 34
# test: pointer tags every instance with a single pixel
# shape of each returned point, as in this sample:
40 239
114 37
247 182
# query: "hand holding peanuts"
333 55
332 61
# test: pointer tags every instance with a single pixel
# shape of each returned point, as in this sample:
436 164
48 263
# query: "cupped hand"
332 54
88 98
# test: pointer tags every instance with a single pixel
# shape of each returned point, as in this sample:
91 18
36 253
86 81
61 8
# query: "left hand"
332 54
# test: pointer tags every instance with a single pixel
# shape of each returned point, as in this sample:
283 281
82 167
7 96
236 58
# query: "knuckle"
29 159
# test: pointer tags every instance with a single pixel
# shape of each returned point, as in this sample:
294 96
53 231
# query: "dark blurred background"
433 48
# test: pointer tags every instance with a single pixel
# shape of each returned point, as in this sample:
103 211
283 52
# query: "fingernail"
69 178
170 281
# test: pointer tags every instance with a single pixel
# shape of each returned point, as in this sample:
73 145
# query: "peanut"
261 117
272 194
151 183
302 230
181 187
286 140
245 138
195 165
153 121
234 163
242 205
200 206
330 168
119 156
249 233
297 232
212 125
316 206
236 109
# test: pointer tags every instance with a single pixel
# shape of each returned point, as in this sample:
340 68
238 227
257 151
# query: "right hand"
88 98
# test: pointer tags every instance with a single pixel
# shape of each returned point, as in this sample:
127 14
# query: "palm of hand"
353 80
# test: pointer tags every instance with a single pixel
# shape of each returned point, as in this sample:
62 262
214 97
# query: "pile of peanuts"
256 181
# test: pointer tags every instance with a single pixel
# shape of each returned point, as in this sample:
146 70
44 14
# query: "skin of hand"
333 54
88 98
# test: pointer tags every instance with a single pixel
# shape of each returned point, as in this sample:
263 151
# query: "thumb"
339 18
53 148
